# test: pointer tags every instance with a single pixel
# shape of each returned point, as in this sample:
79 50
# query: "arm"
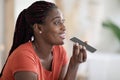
25 75
63 72
79 56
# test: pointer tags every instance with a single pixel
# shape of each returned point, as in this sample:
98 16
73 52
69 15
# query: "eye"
59 22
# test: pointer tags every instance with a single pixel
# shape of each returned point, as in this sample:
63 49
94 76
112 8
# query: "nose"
63 28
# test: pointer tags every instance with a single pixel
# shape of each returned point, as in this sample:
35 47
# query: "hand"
79 53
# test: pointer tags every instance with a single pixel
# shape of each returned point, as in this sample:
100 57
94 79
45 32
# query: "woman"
37 52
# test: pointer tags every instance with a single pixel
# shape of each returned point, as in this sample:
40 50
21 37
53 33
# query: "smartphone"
88 47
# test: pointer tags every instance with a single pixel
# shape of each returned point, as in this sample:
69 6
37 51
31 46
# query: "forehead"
54 14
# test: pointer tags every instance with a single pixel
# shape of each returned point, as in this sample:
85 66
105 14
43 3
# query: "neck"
43 50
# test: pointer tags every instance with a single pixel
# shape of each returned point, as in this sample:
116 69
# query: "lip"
63 35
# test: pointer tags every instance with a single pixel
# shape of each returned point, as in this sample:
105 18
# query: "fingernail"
77 44
86 41
80 46
84 47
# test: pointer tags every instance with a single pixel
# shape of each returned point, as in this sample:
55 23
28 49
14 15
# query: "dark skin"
46 36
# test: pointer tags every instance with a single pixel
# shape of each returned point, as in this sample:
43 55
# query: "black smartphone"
88 47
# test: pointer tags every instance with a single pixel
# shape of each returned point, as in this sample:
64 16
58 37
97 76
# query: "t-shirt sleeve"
24 61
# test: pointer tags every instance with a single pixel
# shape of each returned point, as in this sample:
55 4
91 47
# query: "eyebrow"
55 18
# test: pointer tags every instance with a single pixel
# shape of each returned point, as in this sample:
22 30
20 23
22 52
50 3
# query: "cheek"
51 33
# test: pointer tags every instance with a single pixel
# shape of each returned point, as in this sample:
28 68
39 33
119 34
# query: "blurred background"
94 21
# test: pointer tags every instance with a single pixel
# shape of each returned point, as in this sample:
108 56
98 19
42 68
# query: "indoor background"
94 21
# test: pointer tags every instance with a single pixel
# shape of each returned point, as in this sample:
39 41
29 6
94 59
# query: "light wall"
83 20
1 31
6 28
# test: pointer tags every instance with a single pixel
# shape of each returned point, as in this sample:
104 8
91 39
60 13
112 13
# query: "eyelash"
59 22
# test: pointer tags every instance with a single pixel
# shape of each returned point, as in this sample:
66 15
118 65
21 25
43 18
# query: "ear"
37 27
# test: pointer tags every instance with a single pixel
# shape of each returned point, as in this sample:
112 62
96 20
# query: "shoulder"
24 48
22 59
23 51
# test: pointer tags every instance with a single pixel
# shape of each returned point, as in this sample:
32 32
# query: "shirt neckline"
45 70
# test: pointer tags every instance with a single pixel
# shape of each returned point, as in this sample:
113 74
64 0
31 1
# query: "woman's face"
54 29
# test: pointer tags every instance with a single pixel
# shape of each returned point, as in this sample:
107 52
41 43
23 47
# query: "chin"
62 43
59 43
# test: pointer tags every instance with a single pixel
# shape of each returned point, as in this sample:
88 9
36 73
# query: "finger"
84 53
85 43
76 49
80 55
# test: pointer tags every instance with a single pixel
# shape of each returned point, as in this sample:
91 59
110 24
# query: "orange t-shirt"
24 58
